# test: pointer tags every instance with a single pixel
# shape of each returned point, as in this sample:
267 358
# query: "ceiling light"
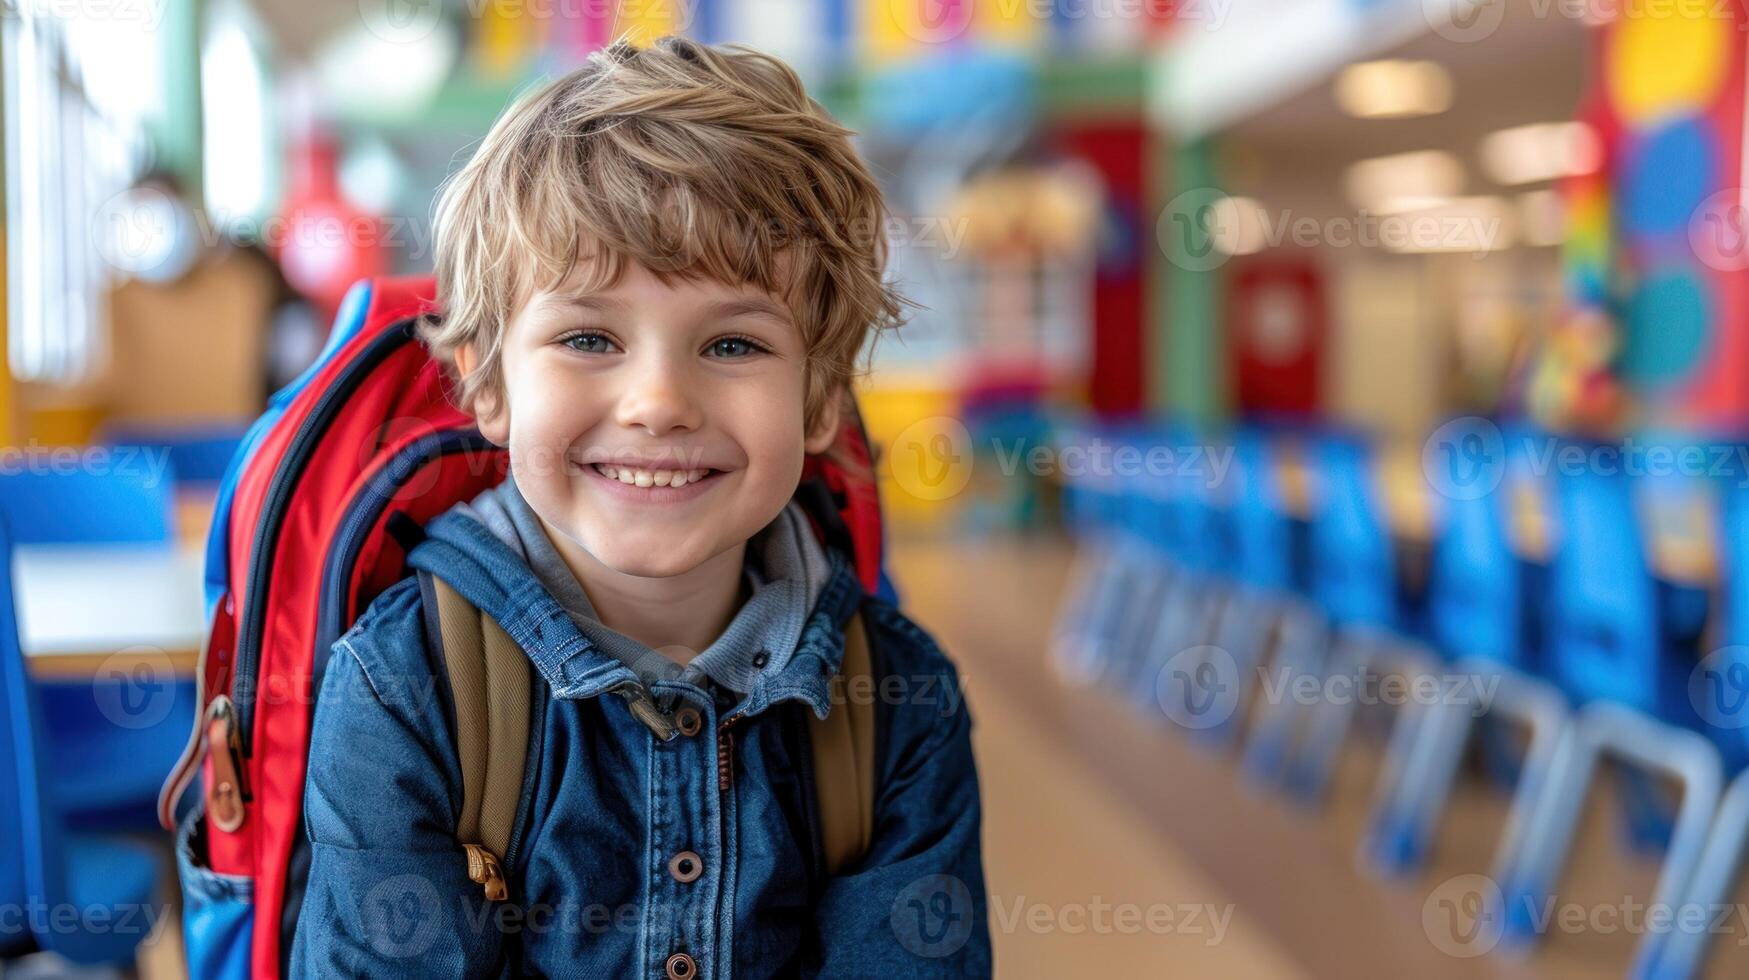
1541 151
1393 89
1405 181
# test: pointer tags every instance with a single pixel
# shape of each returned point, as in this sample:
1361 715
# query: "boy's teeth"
650 478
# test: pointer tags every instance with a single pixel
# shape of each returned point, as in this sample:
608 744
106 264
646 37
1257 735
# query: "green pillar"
1189 360
176 129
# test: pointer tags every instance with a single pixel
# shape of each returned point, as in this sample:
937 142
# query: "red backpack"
300 546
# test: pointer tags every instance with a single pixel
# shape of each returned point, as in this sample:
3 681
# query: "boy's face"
657 426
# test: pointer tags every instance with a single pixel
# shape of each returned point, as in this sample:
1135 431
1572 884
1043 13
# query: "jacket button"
681 967
761 658
685 867
688 721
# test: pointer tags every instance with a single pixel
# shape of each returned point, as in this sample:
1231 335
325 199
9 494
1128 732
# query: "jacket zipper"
272 521
726 753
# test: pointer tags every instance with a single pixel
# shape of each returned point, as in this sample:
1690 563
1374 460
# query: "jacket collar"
490 575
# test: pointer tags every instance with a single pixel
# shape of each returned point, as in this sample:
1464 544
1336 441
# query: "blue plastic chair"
198 455
1175 514
1722 689
1354 583
130 504
1254 570
1605 651
113 772
108 882
1477 619
1101 575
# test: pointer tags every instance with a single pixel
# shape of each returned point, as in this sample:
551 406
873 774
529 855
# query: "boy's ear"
825 430
489 415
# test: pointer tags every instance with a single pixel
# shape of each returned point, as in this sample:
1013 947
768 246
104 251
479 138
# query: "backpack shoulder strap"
489 684
843 749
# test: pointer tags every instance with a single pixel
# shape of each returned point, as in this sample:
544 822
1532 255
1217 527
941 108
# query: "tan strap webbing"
843 744
489 683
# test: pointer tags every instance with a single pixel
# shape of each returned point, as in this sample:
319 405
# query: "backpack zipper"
362 514
271 521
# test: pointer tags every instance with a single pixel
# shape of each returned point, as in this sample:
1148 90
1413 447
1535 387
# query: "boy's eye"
733 347
589 342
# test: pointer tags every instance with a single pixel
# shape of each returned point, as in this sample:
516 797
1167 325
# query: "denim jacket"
633 856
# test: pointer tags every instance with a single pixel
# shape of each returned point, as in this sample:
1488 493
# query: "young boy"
656 275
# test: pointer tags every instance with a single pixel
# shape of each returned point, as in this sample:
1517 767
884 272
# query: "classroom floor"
1113 846
1088 802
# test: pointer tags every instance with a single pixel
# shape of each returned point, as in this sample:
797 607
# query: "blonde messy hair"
689 159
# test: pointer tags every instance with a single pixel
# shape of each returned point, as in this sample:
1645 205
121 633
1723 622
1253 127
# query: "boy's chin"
650 558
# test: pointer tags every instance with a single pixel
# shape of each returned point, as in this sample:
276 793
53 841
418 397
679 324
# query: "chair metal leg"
1684 951
1246 622
1614 730
1407 811
1082 648
1301 639
1152 586
1183 632
1092 573
1356 654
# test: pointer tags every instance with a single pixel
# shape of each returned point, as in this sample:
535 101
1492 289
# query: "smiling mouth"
633 476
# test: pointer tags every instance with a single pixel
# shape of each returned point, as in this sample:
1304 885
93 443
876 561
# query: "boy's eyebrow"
722 309
604 304
730 308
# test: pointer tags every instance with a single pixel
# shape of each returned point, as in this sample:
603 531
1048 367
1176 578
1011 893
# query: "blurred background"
1320 442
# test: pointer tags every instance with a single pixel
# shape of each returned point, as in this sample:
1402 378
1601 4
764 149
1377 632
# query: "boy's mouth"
633 476
653 485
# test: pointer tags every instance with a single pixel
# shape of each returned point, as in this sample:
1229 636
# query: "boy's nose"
657 399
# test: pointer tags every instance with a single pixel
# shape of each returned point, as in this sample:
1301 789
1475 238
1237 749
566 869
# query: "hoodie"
785 570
